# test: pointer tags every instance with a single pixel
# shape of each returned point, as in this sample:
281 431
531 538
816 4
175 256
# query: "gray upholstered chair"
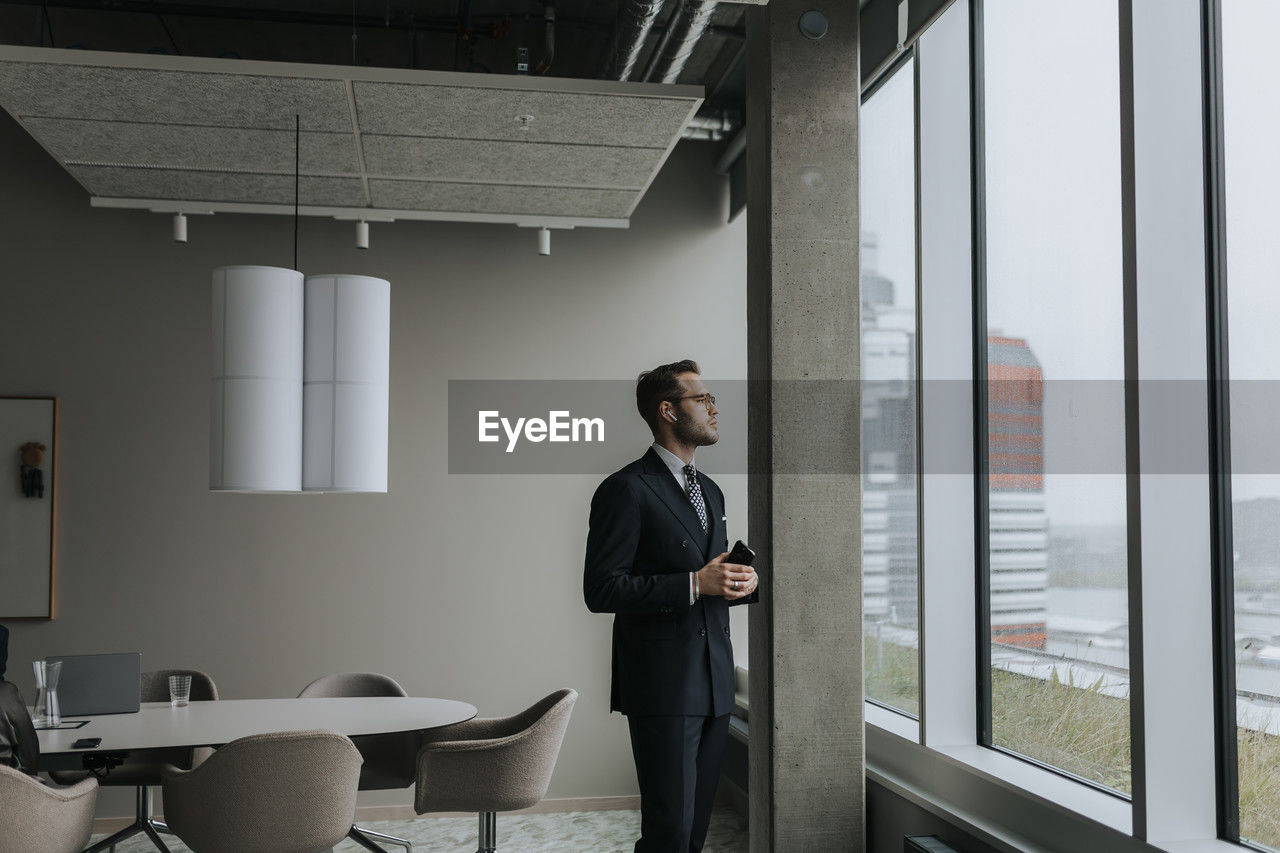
142 771
39 818
390 761
292 792
492 765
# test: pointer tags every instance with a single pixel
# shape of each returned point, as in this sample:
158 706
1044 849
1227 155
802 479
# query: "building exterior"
1018 521
1019 536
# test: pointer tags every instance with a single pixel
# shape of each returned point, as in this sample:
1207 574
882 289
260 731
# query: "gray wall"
466 587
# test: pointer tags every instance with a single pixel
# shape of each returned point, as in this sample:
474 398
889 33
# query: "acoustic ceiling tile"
121 182
186 147
489 198
474 113
173 97
510 162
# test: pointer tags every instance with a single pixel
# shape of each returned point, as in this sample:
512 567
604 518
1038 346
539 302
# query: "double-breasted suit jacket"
669 657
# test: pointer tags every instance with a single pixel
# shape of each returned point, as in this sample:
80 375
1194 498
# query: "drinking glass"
179 691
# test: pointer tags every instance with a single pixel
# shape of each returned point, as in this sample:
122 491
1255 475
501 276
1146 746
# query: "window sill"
1005 802
907 728
1020 776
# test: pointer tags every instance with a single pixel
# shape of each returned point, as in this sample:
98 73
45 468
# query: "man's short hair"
661 383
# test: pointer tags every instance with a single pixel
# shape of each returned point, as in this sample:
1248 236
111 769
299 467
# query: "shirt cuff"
691 598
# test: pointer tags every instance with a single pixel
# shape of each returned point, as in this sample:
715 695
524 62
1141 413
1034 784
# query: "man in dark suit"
655 557
19 747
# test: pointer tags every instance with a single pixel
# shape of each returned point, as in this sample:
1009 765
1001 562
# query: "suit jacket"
644 540
19 747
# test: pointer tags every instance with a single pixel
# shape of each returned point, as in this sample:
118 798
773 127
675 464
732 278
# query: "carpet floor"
561 832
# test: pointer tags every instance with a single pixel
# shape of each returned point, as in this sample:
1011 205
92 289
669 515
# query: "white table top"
157 726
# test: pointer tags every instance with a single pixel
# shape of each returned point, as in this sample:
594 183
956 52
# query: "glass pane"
1058 582
1251 117
890 564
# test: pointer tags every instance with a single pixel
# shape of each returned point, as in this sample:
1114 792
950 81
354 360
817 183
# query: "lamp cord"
297 156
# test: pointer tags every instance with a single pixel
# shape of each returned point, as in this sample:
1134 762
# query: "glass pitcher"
47 714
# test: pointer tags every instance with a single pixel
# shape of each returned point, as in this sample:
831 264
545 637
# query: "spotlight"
179 228
362 234
544 241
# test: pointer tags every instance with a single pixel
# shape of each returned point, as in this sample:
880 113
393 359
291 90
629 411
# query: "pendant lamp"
347 342
256 394
300 377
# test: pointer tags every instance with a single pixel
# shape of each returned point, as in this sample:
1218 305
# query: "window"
889 537
1250 106
1055 572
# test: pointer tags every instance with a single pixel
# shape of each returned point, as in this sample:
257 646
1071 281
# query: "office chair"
39 818
289 792
143 771
389 760
493 765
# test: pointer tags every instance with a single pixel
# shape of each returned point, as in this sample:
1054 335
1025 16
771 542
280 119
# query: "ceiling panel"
159 132
182 185
466 113
510 162
488 198
172 97
203 148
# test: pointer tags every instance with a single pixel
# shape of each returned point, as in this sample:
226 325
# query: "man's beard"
688 431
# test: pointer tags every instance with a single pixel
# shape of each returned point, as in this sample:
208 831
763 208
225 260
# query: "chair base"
143 823
488 832
365 838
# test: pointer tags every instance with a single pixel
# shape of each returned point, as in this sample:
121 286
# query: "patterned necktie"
695 495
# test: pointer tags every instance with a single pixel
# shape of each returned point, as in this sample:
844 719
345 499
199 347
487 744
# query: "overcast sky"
1054 271
1251 112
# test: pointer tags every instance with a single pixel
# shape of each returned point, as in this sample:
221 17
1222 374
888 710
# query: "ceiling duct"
688 24
635 22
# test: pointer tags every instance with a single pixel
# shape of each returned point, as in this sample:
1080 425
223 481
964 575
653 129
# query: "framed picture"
28 505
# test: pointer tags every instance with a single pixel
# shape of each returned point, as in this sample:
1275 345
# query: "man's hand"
721 578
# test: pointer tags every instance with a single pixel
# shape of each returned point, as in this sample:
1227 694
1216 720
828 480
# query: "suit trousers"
678 766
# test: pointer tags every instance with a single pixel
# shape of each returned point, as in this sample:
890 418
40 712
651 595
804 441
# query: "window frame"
999 797
890 69
982 497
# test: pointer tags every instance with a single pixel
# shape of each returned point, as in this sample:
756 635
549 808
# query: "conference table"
158 726
216 723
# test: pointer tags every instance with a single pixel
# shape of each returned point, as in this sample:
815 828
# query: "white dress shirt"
676 466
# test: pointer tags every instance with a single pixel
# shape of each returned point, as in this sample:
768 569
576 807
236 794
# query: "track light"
362 234
544 241
179 228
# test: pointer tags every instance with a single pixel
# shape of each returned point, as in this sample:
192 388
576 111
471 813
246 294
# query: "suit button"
726 632
684 543
702 632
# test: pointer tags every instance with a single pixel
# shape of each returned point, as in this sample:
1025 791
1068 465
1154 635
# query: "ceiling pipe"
732 152
688 24
667 32
549 37
635 22
702 134
712 126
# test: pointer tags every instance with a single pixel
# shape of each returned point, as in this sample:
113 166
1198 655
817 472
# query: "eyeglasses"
707 400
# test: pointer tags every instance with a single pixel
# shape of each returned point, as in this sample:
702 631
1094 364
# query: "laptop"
99 684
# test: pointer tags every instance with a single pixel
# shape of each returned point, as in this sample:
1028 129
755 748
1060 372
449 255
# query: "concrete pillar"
807 775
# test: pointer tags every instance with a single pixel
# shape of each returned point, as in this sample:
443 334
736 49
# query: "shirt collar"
674 463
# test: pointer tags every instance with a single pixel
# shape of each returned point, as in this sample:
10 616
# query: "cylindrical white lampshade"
345 383
256 402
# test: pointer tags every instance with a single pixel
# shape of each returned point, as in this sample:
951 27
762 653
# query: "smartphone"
86 743
740 554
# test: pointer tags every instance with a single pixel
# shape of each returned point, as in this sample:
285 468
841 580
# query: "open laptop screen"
99 684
